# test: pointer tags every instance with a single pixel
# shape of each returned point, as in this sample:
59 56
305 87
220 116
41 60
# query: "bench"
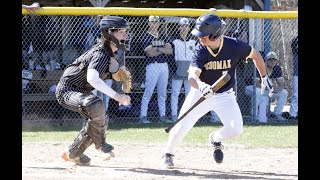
42 84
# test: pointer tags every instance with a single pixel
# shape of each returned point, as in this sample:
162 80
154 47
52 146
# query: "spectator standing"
293 113
183 46
157 51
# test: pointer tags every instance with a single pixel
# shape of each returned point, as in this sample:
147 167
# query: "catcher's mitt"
124 76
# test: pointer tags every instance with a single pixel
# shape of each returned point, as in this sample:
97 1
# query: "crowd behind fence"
51 42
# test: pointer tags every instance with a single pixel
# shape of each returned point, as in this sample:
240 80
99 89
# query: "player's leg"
249 90
186 86
162 90
70 100
79 145
175 91
151 80
264 105
294 98
227 108
94 109
178 132
91 107
281 97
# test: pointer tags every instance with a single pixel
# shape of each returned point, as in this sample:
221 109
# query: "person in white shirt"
183 46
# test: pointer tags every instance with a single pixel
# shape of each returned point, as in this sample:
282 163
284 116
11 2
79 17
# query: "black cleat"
107 150
81 160
168 161
218 154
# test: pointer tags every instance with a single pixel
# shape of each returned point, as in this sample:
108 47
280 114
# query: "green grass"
278 136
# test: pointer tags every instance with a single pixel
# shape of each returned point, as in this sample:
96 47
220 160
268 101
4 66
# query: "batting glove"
266 82
206 90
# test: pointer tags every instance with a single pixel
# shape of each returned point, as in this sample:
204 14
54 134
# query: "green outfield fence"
55 36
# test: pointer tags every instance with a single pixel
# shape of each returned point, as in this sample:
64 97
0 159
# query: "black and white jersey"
75 75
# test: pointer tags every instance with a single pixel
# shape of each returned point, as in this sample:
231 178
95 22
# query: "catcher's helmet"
208 24
110 23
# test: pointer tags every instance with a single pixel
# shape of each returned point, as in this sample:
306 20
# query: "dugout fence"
56 36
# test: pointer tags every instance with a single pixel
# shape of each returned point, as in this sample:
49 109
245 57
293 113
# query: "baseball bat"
215 87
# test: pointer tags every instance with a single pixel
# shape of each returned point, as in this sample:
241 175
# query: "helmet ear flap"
214 37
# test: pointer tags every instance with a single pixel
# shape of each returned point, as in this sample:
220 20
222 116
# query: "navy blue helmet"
208 24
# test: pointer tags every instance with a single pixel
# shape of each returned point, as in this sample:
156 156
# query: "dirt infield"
42 161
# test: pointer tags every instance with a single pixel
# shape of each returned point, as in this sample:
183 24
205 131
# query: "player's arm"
258 61
167 49
280 85
96 82
193 77
260 65
152 51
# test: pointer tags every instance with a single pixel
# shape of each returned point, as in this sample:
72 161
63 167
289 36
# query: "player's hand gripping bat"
215 87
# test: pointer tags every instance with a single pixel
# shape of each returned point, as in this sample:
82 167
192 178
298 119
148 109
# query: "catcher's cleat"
218 154
168 160
81 160
107 150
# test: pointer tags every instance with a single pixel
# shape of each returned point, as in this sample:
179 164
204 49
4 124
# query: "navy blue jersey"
159 41
274 74
224 59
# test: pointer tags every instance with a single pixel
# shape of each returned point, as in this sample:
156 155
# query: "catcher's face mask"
122 38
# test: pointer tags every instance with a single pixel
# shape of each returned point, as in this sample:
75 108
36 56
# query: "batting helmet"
109 24
208 24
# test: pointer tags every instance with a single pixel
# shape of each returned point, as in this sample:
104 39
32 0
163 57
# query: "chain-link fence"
51 42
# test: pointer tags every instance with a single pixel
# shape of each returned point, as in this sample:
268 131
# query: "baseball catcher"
86 73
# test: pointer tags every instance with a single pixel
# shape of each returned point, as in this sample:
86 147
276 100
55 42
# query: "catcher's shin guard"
80 143
97 122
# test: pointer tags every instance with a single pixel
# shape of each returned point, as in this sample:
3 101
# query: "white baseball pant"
294 99
224 104
157 74
176 85
263 102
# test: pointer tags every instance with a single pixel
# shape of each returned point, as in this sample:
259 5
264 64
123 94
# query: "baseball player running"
213 56
86 73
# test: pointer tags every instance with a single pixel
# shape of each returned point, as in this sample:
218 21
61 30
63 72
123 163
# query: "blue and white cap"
184 21
154 18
